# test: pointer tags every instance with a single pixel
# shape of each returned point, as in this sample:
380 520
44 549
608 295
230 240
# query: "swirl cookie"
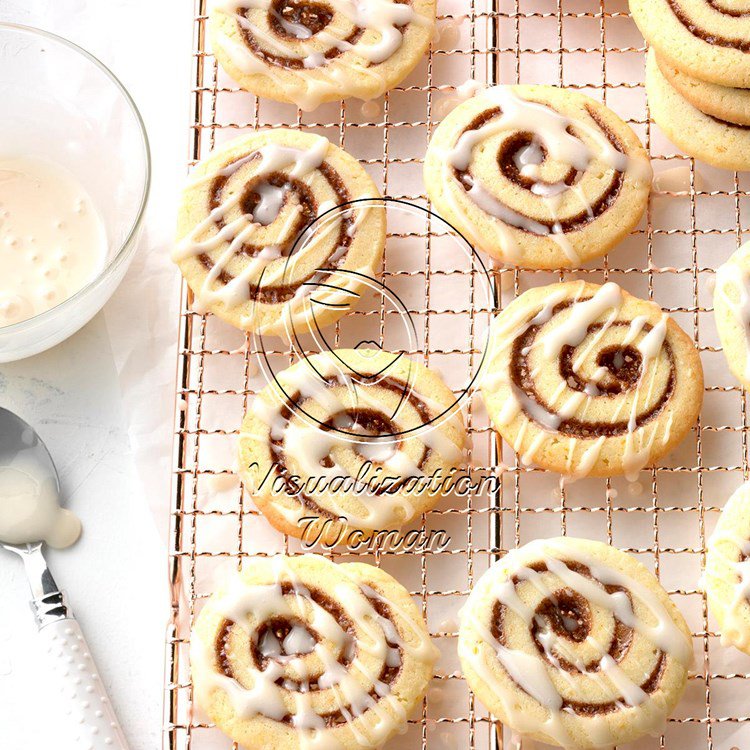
301 653
574 643
349 439
240 241
732 312
708 39
718 142
727 579
588 380
313 51
538 176
722 102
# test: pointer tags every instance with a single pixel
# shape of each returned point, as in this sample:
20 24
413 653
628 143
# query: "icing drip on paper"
536 134
358 417
367 32
312 649
575 332
581 627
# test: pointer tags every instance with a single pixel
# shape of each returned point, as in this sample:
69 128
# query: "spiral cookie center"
567 614
524 160
264 199
372 433
281 639
623 364
294 32
299 19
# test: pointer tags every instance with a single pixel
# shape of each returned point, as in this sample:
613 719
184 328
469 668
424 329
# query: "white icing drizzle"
539 674
381 20
733 287
602 307
307 444
575 329
551 132
321 643
269 263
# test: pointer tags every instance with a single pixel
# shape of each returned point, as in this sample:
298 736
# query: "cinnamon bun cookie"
732 312
588 380
716 141
727 578
313 51
708 39
300 653
350 439
574 643
538 176
245 243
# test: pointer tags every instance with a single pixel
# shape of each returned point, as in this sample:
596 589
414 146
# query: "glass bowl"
62 105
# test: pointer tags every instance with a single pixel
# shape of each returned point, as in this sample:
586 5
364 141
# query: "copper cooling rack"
697 217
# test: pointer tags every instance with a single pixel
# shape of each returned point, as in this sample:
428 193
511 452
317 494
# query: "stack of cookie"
698 75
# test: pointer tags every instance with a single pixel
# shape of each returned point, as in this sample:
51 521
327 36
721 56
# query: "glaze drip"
562 621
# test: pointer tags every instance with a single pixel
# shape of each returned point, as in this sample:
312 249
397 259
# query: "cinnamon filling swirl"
743 45
291 190
567 614
353 423
281 626
300 21
287 18
623 374
293 19
508 163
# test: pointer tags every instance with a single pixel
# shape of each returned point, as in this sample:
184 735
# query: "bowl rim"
127 245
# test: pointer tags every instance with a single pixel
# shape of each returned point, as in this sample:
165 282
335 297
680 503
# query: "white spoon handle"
92 718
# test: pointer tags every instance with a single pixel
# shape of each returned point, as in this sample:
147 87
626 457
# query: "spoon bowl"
30 509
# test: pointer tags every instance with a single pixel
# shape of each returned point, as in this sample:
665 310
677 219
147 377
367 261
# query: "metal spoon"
93 721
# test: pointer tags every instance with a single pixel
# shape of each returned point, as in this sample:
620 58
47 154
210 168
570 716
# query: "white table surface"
102 402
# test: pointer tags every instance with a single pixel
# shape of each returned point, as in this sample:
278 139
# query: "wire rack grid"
694 222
